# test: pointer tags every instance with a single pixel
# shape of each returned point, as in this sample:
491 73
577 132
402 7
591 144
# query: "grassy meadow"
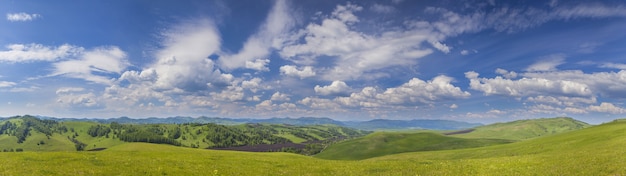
597 150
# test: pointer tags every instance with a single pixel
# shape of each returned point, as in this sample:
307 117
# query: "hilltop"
525 129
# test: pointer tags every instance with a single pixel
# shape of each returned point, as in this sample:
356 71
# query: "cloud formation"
22 16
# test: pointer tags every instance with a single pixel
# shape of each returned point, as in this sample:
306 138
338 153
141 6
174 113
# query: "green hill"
386 143
596 150
525 129
28 133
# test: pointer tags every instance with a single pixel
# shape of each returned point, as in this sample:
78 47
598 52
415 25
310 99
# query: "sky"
465 60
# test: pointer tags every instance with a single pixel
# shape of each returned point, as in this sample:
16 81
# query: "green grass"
386 143
526 129
597 150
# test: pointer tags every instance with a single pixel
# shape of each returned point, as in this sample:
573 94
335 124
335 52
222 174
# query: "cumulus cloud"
18 53
183 62
278 22
74 99
292 70
336 88
280 97
527 86
14 17
607 108
357 53
506 73
415 92
558 91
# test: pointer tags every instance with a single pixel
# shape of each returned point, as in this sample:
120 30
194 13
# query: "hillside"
596 150
387 124
386 143
525 129
28 133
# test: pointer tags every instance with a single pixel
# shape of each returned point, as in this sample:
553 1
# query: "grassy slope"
526 129
386 143
596 150
190 135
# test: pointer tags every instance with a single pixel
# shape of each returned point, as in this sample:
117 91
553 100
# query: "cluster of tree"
224 136
99 130
131 133
7 128
22 131
13 150
77 144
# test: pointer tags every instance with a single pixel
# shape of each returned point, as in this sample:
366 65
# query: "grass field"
386 143
597 150
526 129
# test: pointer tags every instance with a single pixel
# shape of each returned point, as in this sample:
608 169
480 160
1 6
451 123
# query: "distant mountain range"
376 124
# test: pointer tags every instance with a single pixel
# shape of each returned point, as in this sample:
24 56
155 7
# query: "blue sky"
473 60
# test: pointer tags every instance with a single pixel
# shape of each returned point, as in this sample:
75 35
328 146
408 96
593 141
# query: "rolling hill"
525 129
27 133
386 143
596 150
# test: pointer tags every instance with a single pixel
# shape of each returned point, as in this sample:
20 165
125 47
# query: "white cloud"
18 53
506 73
606 84
379 8
258 64
270 35
454 106
230 94
358 54
440 46
65 90
547 63
336 88
415 92
183 62
419 91
100 60
86 100
527 86
253 84
567 91
280 97
607 108
292 70
13 17
506 19
4 84
320 103
613 65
